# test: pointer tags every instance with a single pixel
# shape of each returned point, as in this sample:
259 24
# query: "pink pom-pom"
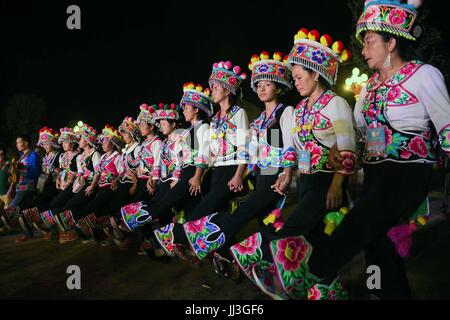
243 76
220 65
228 65
144 106
237 70
215 65
401 236
415 3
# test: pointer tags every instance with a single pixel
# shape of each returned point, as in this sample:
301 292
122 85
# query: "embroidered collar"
327 96
396 79
217 121
131 147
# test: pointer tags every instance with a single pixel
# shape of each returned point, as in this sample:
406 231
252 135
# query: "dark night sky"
131 52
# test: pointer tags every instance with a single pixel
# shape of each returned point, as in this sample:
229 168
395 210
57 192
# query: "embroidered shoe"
266 279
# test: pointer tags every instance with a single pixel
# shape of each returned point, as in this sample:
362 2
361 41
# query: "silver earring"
388 61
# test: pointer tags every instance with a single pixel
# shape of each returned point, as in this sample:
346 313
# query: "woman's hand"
151 186
335 159
281 185
89 190
334 195
236 184
195 185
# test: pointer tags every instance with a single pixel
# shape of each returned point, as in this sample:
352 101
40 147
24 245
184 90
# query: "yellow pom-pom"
264 55
326 40
344 210
199 88
207 92
345 55
422 221
337 47
314 35
270 219
191 86
303 33
254 58
250 66
278 56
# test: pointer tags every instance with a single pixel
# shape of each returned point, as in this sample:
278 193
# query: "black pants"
121 197
390 191
61 199
79 200
98 205
142 193
165 199
307 216
42 199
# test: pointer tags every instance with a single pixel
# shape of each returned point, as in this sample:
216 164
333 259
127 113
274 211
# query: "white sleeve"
359 116
343 124
242 135
289 153
203 137
156 150
433 94
96 158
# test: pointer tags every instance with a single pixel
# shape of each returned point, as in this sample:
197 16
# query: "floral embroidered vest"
222 129
129 162
272 152
107 169
87 165
189 143
49 164
313 121
401 146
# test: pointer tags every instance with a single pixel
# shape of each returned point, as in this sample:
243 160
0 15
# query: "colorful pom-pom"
337 47
228 65
314 35
254 58
207 92
215 65
278 56
326 40
346 55
264 55
243 76
303 33
237 70
199 88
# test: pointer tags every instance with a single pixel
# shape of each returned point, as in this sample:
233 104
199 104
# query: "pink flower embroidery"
197 225
291 252
316 152
314 293
418 147
405 154
201 244
248 246
232 81
195 97
409 68
394 93
371 14
349 163
220 75
265 151
290 156
397 17
132 209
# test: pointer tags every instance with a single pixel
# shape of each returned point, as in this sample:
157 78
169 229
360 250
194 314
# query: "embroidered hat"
88 133
318 53
47 135
67 135
111 134
198 97
395 17
147 114
167 112
226 75
130 125
264 68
